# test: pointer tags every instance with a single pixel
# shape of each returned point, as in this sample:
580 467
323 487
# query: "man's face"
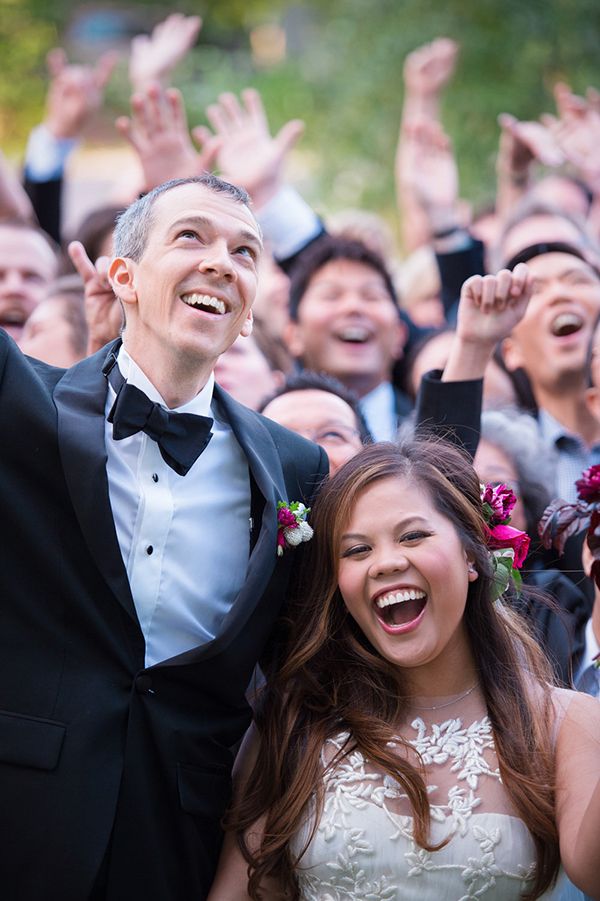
551 342
244 372
27 269
348 326
321 417
190 294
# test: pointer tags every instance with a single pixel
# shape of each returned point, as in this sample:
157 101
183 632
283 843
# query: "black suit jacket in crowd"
101 759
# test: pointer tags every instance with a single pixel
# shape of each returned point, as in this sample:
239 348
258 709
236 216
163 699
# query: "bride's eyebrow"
401 524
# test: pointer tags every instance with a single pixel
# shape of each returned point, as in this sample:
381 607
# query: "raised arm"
427 70
74 95
490 307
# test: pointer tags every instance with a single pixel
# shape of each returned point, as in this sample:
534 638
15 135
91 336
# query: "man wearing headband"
551 344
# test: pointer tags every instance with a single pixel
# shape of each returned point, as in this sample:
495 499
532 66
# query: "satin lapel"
265 466
80 397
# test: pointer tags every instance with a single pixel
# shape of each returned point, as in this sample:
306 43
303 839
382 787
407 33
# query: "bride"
411 746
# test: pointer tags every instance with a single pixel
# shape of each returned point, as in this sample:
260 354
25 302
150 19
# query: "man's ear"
292 336
401 339
247 326
592 399
512 353
121 277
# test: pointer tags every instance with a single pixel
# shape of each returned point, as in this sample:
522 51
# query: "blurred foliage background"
337 64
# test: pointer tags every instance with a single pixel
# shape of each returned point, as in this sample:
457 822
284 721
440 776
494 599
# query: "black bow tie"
181 437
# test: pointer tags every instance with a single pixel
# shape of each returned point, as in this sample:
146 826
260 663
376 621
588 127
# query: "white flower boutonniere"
292 528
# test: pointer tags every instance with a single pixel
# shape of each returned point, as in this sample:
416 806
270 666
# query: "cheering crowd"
180 575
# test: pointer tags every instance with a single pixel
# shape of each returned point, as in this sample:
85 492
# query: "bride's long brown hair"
332 680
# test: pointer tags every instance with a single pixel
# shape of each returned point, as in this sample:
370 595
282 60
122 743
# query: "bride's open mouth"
400 610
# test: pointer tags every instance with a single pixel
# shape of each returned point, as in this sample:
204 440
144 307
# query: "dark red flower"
500 500
588 486
501 537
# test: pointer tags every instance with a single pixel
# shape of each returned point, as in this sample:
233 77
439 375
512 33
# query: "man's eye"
247 252
187 233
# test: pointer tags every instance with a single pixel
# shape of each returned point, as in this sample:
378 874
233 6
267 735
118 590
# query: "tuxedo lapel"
267 475
80 398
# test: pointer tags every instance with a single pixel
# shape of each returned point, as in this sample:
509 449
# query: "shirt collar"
552 431
200 404
592 648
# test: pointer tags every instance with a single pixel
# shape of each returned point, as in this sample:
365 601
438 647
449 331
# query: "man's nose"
216 261
352 301
12 282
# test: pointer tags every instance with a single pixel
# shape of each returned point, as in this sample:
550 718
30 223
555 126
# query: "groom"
140 578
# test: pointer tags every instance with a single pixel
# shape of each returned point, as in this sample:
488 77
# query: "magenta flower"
588 486
286 518
501 536
500 502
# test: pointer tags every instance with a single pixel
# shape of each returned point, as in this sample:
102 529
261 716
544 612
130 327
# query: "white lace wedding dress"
363 849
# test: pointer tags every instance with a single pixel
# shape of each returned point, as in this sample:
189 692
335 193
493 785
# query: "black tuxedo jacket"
102 760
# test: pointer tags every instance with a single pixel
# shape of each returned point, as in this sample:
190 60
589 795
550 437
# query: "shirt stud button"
155 477
149 550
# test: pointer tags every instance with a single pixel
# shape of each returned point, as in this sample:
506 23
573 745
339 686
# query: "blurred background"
337 64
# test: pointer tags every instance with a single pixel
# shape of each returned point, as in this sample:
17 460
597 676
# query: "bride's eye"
354 551
416 535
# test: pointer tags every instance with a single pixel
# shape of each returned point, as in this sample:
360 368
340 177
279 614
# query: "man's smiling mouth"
566 324
354 334
204 302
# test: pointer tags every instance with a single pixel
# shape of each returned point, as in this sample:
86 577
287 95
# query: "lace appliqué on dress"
364 849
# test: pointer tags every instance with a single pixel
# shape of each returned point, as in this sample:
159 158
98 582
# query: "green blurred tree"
342 73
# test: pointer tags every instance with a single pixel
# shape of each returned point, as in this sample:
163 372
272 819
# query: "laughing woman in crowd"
412 746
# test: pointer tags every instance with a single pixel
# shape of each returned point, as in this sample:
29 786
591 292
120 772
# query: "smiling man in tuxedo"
140 575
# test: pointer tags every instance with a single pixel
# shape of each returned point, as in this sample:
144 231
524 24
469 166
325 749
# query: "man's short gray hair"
134 225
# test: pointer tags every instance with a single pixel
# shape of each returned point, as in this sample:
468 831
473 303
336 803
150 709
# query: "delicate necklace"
453 701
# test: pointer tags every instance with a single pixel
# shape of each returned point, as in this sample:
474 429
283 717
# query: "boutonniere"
507 547
292 528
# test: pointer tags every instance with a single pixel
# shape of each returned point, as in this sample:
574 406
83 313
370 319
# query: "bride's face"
404 575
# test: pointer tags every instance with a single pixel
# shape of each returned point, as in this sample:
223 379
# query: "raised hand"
103 311
247 154
521 143
158 131
430 67
577 131
154 56
490 307
75 92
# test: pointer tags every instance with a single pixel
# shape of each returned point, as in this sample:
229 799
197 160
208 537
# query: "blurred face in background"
244 372
28 267
348 326
322 417
551 343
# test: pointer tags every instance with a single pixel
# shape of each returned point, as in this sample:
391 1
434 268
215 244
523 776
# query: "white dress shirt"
379 409
184 539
